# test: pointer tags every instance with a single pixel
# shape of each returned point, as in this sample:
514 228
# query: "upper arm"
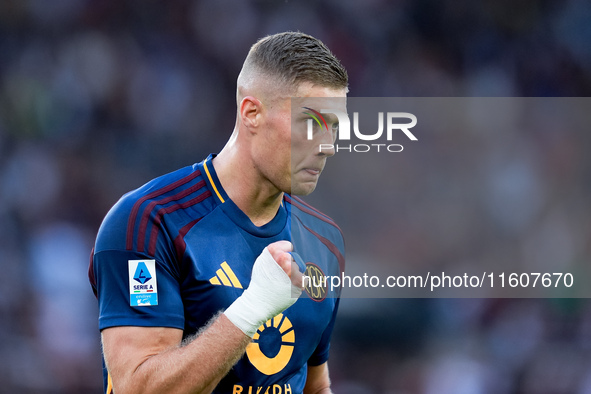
318 381
127 295
119 303
126 348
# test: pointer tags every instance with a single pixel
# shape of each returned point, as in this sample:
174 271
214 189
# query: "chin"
302 189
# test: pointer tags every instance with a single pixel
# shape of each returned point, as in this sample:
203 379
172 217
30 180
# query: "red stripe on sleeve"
138 203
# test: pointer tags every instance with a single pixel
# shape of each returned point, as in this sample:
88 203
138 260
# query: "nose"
326 144
326 150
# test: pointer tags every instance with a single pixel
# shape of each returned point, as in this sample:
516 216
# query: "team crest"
315 282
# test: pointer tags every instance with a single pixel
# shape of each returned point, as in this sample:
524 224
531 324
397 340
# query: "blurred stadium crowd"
98 97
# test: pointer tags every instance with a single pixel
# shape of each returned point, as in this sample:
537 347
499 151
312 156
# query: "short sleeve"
320 355
113 277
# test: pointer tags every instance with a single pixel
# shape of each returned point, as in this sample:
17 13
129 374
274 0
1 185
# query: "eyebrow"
326 117
331 118
316 115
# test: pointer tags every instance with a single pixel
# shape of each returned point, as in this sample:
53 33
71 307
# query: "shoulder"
310 214
128 221
318 224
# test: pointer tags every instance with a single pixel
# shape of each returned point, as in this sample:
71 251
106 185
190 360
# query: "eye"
335 127
314 122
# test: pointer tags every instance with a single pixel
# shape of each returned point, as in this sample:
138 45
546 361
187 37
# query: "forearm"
322 391
196 366
318 381
153 360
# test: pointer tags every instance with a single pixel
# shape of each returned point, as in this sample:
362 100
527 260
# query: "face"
289 157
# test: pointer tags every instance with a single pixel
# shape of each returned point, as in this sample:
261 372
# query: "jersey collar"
274 227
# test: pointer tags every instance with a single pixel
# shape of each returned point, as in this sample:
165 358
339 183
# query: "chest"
217 267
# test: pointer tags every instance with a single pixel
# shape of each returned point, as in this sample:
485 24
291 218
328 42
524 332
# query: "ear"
251 110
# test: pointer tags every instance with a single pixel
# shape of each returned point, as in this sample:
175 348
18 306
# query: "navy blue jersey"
177 251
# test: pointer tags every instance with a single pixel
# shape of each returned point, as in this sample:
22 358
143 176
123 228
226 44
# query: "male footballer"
193 271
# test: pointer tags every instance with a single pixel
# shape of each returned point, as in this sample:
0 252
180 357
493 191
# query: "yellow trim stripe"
109 384
215 189
231 275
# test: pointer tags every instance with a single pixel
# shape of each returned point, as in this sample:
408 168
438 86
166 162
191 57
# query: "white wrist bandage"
270 292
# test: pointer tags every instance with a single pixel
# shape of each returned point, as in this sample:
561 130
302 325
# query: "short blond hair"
294 57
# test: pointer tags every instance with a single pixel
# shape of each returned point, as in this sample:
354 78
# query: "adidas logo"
225 276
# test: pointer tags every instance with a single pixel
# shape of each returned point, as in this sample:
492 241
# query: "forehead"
319 98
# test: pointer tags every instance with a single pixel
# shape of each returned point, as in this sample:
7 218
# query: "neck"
249 190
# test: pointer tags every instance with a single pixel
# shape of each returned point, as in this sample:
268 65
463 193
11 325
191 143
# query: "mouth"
313 171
